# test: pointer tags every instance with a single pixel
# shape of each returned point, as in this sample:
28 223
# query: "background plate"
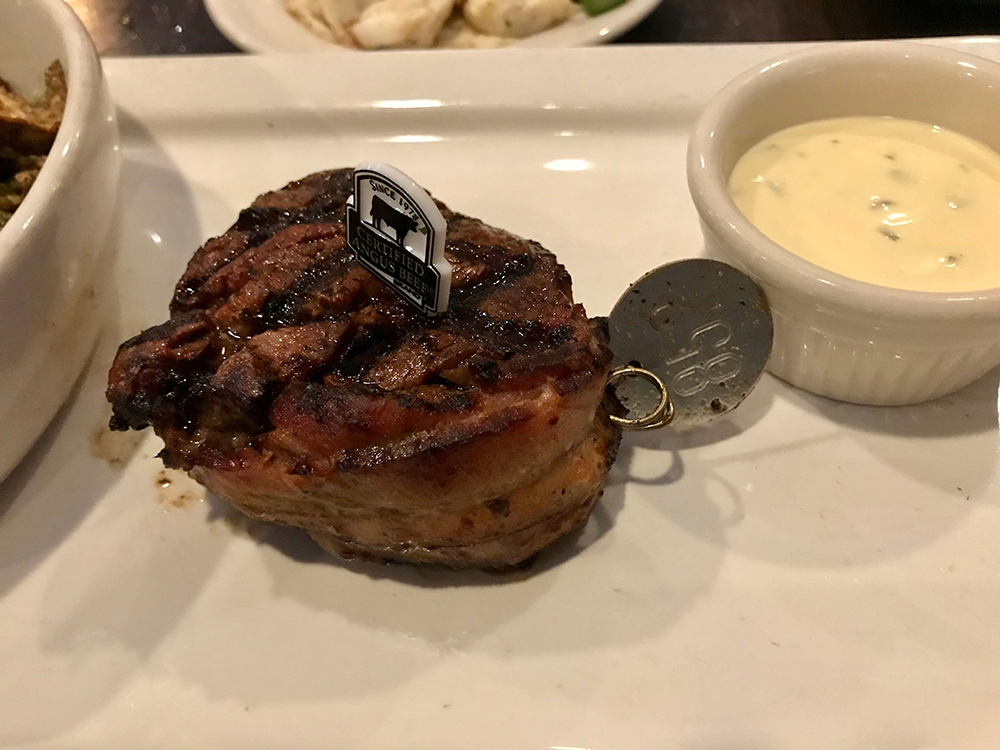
264 26
803 574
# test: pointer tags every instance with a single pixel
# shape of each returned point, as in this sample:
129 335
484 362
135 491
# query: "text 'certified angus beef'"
295 384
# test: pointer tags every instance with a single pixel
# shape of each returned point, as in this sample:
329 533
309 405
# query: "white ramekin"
55 252
841 338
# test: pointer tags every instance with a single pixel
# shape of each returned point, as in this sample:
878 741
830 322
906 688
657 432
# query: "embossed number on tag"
700 326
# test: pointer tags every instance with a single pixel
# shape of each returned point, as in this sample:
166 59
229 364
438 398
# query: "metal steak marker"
397 232
699 331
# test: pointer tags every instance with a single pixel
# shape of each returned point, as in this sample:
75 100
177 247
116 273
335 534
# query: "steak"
296 385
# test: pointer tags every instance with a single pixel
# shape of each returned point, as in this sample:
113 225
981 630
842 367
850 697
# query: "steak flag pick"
698 331
397 232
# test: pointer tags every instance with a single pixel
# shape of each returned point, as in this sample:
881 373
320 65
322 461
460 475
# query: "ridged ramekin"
835 336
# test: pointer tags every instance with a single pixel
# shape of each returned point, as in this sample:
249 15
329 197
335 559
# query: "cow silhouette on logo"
400 223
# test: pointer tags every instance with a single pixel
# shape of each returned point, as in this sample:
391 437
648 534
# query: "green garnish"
596 7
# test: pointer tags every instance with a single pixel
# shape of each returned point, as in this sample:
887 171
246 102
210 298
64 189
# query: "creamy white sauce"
885 200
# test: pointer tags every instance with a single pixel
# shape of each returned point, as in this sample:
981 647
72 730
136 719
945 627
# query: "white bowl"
55 252
835 336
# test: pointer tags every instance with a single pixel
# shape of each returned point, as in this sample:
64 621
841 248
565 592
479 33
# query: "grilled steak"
299 387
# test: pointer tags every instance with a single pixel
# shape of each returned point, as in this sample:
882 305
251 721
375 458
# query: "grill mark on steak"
304 300
318 198
482 270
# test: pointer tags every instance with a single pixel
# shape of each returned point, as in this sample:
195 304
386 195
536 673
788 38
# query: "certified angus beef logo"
397 233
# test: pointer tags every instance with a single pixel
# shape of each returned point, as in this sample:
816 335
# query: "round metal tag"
697 328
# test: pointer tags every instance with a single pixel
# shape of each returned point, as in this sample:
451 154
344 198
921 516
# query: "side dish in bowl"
349 27
379 24
55 248
857 184
27 130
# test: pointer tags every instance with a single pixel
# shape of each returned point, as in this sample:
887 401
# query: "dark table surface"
165 27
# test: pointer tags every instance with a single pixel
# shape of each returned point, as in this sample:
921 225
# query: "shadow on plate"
971 410
950 444
31 528
79 431
559 601
88 561
601 588
20 551
831 485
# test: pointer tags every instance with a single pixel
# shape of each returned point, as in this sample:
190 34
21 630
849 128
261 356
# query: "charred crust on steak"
283 355
276 309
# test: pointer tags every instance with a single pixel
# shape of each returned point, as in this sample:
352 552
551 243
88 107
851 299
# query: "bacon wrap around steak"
296 385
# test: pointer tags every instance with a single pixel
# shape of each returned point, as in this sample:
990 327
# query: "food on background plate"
380 24
27 130
890 201
296 385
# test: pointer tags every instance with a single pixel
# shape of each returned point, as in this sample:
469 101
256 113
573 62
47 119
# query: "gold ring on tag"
700 325
660 416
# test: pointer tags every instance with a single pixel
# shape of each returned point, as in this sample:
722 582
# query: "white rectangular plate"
803 574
